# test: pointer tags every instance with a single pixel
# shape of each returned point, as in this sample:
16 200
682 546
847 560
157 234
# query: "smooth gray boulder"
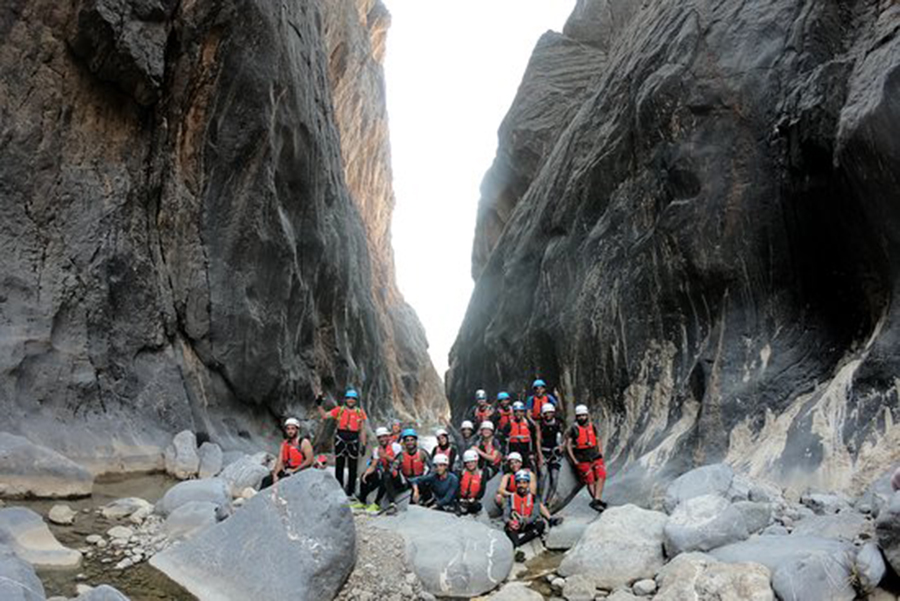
210 460
182 460
18 581
246 472
713 479
846 526
295 541
624 545
825 504
702 524
757 516
870 567
568 485
804 568
189 519
212 490
699 577
31 470
452 557
877 495
490 491
887 531
104 592
26 534
577 516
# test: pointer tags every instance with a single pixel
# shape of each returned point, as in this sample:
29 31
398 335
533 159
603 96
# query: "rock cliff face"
691 224
195 202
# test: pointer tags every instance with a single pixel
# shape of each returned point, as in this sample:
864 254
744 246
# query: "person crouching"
471 485
524 513
437 489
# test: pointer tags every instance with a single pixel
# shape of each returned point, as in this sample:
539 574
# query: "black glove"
319 400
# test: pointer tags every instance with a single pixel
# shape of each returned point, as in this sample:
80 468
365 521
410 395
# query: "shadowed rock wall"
691 225
195 222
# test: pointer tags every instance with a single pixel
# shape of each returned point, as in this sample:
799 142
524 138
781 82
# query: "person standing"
295 454
538 399
522 435
349 437
444 447
583 446
503 415
487 449
550 445
482 411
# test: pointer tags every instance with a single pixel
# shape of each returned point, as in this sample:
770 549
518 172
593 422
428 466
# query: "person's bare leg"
598 487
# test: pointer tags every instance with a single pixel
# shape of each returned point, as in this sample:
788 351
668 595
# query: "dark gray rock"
825 504
702 524
848 526
213 490
31 470
757 516
674 255
18 581
298 541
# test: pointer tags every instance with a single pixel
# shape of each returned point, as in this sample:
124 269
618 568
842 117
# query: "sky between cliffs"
452 71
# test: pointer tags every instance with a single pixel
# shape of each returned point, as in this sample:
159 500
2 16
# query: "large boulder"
31 470
26 534
452 557
189 519
847 526
490 491
246 472
703 523
877 495
212 490
804 568
577 516
210 460
870 567
104 592
624 545
296 541
182 460
707 480
701 578
757 515
18 581
887 529
568 485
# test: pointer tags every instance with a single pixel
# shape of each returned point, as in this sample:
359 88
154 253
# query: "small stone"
62 515
106 560
248 493
83 589
239 502
101 544
81 577
125 563
558 583
644 588
411 578
120 533
93 539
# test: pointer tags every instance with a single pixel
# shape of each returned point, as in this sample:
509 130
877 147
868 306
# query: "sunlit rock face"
195 205
692 225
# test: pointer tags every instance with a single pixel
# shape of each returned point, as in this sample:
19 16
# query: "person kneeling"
471 485
524 512
437 489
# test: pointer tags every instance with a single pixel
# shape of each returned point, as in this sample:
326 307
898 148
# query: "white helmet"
441 432
379 432
480 395
292 421
514 456
441 460
581 410
467 424
548 408
470 455
486 426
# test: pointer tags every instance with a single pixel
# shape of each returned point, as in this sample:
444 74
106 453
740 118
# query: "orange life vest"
482 415
412 465
537 403
587 438
510 483
524 506
350 419
291 456
498 458
519 431
470 484
506 416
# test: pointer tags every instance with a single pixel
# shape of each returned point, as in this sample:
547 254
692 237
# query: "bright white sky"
452 71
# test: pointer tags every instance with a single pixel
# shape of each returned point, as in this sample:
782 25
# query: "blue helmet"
502 396
409 432
538 382
351 394
523 476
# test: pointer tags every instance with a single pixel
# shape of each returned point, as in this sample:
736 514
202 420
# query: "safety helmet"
523 476
480 395
382 431
396 422
518 406
538 382
467 424
292 421
441 460
514 456
486 426
548 408
502 396
441 432
581 410
351 394
470 455
409 432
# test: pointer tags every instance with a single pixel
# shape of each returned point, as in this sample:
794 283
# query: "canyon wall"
196 205
691 225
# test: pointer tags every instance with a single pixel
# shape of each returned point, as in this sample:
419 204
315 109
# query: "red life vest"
394 438
386 454
412 465
524 506
506 416
482 415
587 438
537 403
519 431
470 484
510 483
498 458
291 456
350 419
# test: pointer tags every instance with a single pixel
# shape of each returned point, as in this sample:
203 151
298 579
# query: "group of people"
524 442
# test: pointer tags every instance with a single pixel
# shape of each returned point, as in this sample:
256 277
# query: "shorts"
592 471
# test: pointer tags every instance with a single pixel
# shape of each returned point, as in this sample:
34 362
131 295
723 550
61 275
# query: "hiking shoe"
597 505
354 504
390 509
555 521
373 508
